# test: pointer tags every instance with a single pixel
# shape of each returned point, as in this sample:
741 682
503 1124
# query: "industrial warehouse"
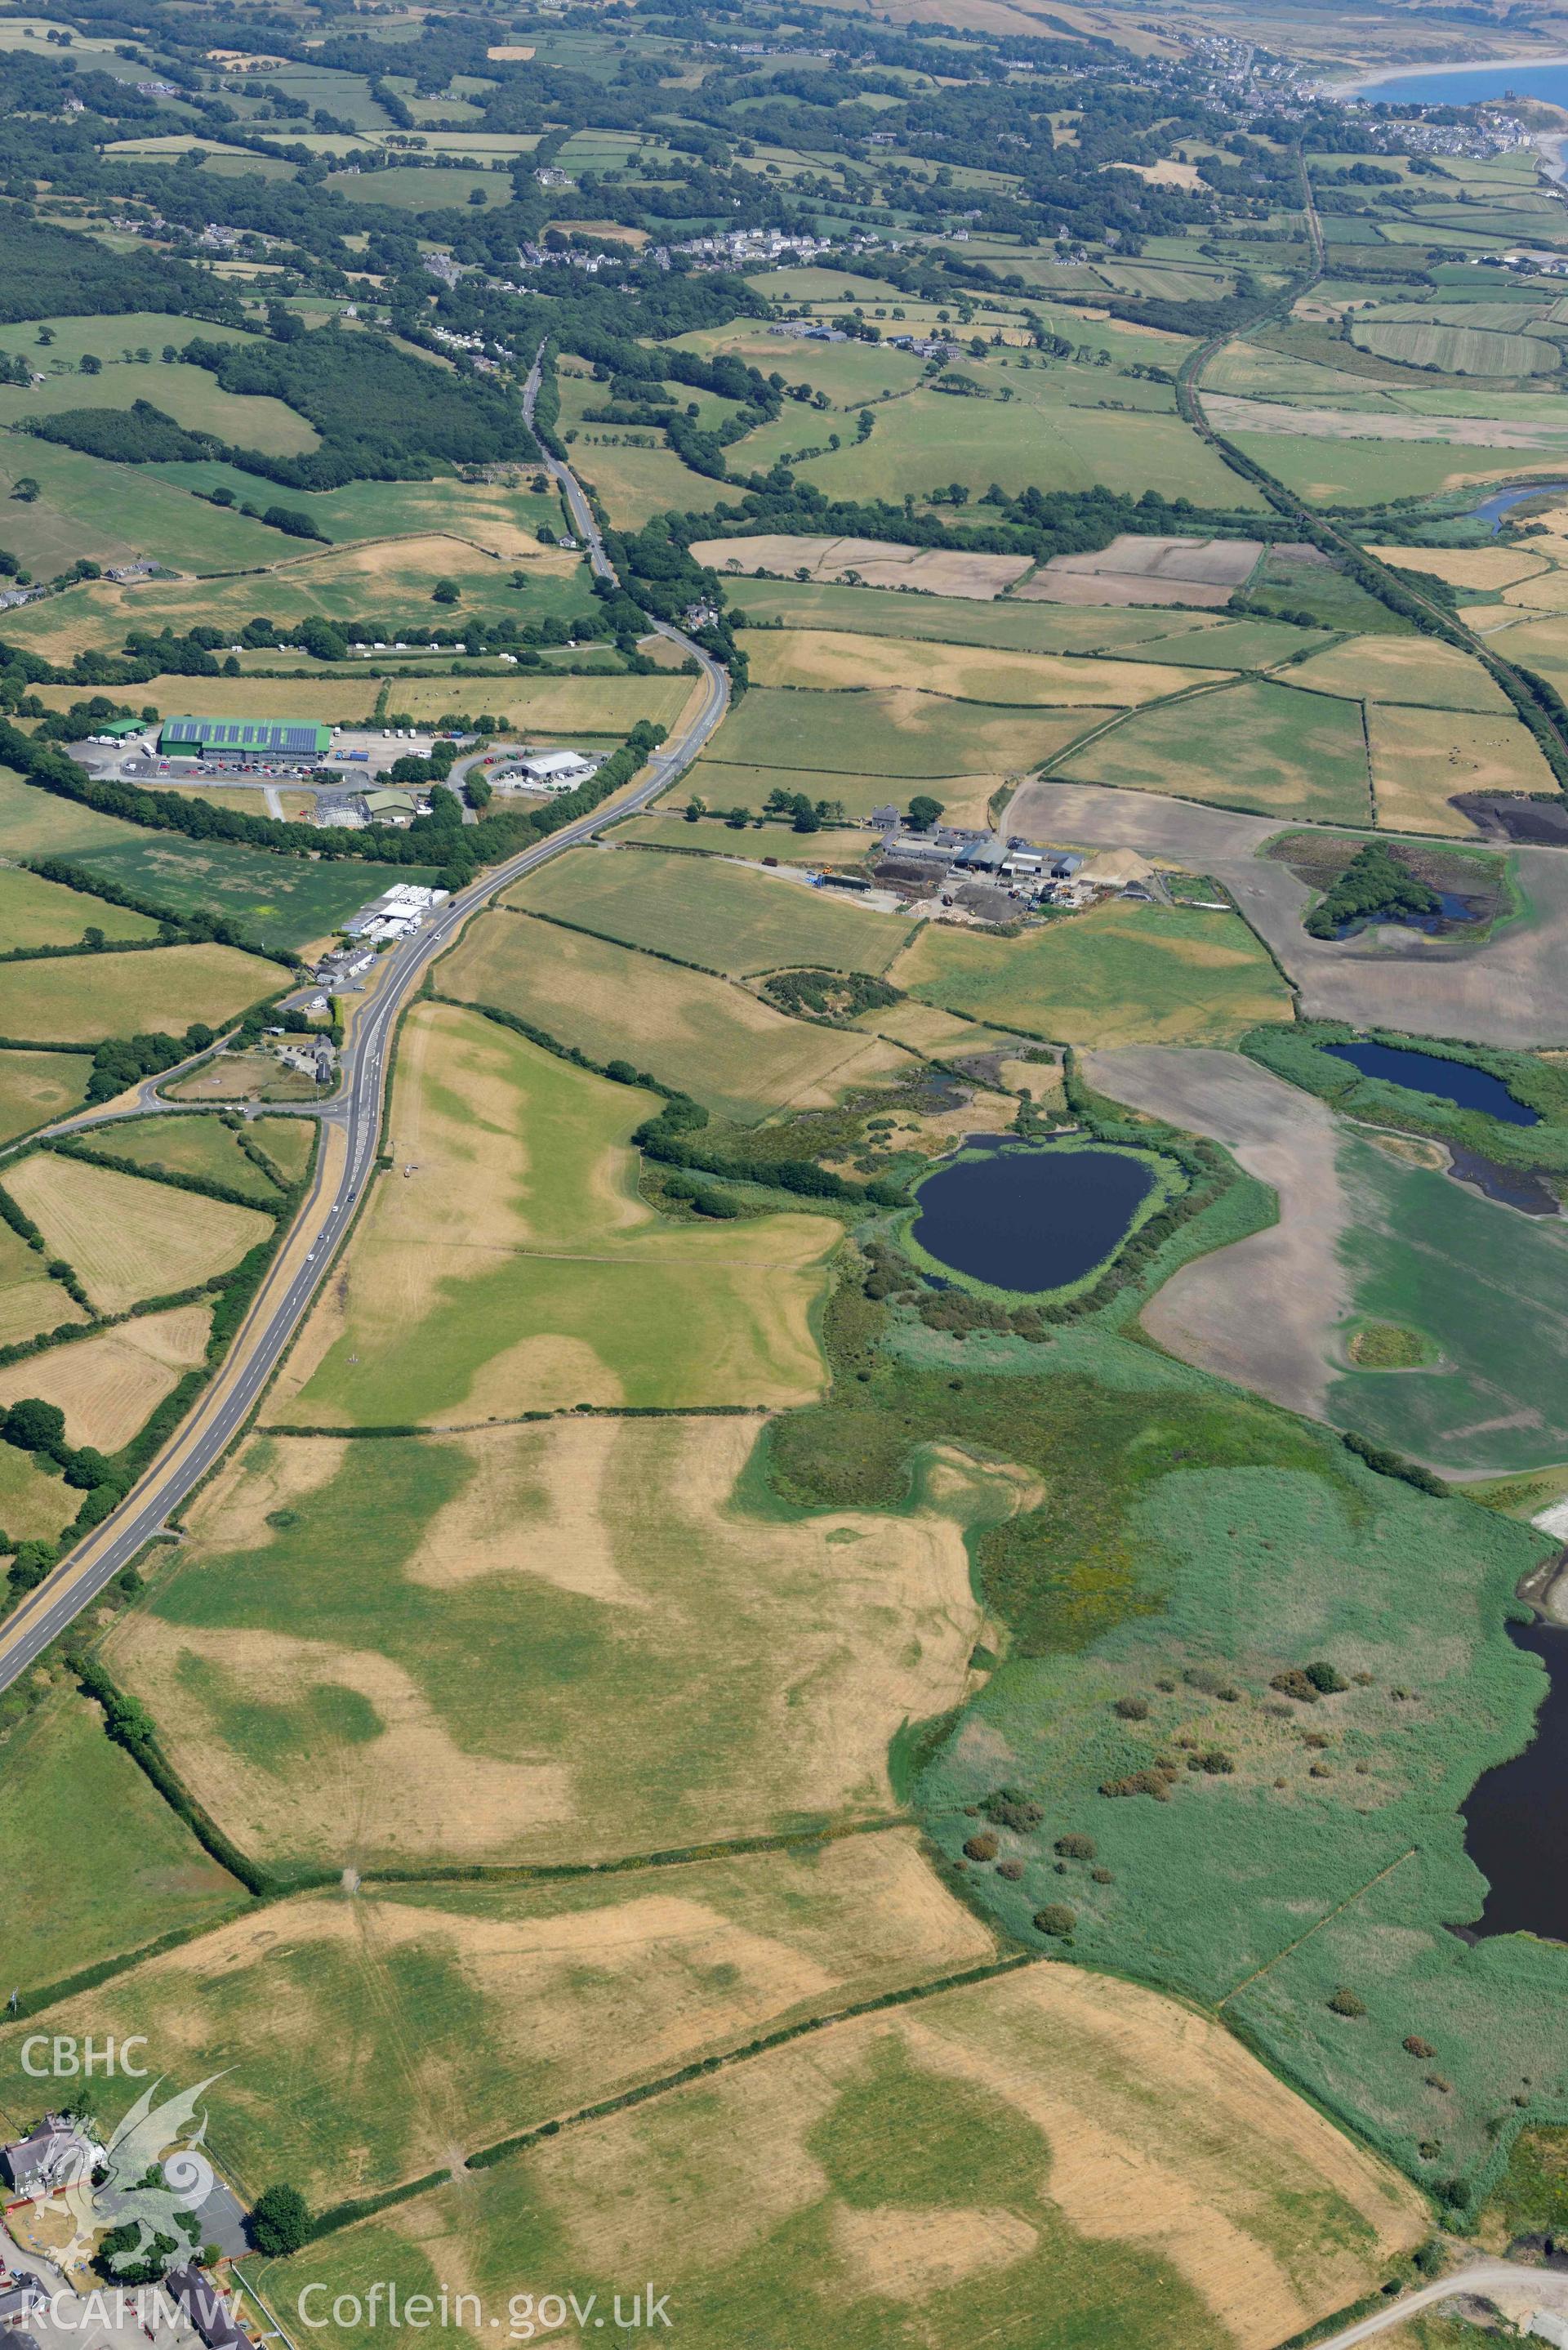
240 742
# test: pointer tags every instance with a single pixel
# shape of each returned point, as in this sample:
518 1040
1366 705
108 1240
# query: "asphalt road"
339 1188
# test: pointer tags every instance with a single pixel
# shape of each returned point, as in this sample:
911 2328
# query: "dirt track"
1261 1312
1512 990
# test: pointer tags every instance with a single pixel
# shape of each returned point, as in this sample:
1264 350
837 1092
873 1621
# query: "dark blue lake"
1516 1817
1024 1219
1425 1072
1469 84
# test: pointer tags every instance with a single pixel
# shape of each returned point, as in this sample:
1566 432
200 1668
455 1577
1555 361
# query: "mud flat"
1261 1312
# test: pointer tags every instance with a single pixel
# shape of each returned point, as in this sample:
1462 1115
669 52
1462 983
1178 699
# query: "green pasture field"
29 1301
1185 639
1537 407
408 509
1253 746
1334 599
965 798
190 395
1256 644
636 483
891 732
80 999
597 1986
344 94
1255 371
609 1662
109 335
1373 473
196 1146
1009 625
1481 1284
107 514
1123 973
36 1504
836 846
1525 222
850 373
570 1289
928 2175
727 918
410 188
1517 310
279 902
736 1055
287 1142
37 1086
931 439
39 913
389 584
1457 350
121 1869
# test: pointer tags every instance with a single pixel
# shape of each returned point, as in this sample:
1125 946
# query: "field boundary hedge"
911 1995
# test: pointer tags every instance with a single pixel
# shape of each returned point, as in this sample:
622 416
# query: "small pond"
1516 1817
1453 907
1022 1218
1425 1073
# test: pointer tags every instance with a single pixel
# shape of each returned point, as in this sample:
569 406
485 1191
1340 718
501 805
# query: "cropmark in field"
507 1262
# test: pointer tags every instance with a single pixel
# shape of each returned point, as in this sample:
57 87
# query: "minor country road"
1516 2289
345 1164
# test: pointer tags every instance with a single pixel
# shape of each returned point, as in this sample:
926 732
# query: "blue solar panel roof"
284 738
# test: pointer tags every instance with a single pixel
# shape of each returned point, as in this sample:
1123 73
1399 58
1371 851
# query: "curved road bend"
344 1167
1484 2278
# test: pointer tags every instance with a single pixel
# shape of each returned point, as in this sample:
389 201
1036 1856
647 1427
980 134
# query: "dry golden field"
127 1238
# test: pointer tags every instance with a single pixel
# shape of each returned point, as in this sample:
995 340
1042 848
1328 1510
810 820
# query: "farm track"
344 1168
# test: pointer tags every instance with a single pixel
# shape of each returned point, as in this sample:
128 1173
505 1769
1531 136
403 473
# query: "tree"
116 2256
444 592
476 196
33 1426
280 2222
91 366
26 489
924 812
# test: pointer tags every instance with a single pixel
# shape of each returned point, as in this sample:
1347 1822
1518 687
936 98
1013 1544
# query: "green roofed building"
241 740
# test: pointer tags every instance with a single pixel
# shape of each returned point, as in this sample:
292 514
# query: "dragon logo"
153 2178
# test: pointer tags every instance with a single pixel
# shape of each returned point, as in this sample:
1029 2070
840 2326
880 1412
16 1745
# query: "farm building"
201 2302
238 741
546 771
56 2155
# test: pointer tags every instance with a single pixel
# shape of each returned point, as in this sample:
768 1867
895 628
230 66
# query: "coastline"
1365 82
